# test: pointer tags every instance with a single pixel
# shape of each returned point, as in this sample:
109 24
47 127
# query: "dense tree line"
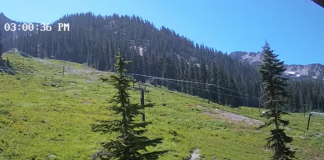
306 95
161 53
1 48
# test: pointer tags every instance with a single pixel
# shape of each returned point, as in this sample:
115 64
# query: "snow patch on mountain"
314 71
139 49
290 72
250 57
193 59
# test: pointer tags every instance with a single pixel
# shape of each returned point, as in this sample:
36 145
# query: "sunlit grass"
42 115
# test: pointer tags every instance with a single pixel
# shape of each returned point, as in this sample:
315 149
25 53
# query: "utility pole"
313 114
309 116
141 87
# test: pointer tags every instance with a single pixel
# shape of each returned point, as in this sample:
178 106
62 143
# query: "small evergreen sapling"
130 144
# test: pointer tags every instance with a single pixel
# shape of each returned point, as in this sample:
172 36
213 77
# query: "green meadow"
46 111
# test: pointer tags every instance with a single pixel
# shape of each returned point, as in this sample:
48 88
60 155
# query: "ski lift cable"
161 78
214 92
166 79
221 93
192 82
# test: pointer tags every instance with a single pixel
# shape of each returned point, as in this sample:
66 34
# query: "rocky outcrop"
310 71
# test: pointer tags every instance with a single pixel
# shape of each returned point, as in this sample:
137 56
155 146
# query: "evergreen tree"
1 46
309 101
203 72
1 49
130 144
274 92
301 100
221 83
101 35
191 77
234 99
182 75
213 80
203 79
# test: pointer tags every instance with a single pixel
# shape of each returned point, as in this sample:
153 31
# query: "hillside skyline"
162 80
300 24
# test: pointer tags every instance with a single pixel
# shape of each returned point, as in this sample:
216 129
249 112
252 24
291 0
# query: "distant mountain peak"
2 15
310 71
254 58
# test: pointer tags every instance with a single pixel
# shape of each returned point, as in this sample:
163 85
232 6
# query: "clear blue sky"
294 28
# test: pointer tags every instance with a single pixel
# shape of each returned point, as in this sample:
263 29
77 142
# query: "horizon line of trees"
162 53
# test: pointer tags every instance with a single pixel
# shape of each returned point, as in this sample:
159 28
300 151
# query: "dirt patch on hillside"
231 116
41 60
71 70
320 134
319 158
89 73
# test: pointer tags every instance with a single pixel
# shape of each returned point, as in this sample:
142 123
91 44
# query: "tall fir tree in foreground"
275 97
130 144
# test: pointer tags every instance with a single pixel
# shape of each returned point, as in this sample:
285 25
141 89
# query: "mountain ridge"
159 52
309 71
58 111
3 20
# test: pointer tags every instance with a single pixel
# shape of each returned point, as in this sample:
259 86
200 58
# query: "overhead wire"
255 98
154 77
209 84
210 91
167 79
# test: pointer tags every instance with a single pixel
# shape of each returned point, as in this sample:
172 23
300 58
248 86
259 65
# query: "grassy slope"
43 116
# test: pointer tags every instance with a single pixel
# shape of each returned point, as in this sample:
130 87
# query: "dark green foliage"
154 52
278 142
275 96
63 123
1 43
130 144
1 49
233 101
222 82
203 73
161 53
